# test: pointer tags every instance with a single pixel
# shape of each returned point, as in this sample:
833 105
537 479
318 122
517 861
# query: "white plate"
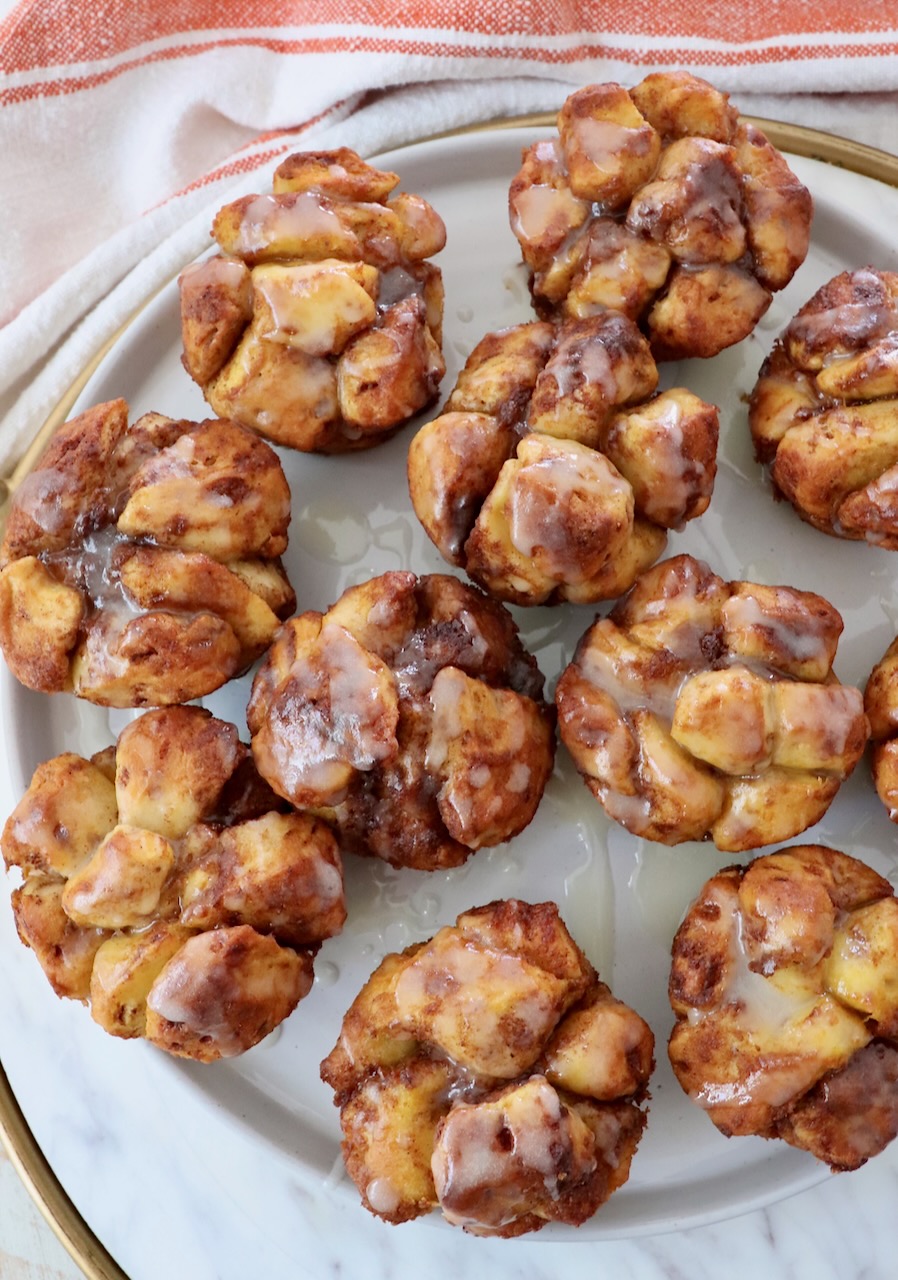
621 897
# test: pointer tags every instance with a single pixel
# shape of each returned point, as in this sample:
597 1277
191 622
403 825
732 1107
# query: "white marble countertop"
28 1248
843 1229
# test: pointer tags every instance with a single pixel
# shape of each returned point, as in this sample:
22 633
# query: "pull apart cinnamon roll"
168 887
557 468
663 203
410 715
784 982
489 1073
319 323
141 565
703 709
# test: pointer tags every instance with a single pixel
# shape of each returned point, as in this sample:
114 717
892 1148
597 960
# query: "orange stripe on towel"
420 48
39 34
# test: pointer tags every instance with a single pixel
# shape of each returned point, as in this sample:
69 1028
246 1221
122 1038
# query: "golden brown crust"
783 984
165 885
703 709
660 202
881 706
824 411
319 324
411 715
141 566
556 470
490 1074
223 991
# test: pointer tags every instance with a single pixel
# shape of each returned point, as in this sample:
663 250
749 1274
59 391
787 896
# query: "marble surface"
165 1188
28 1248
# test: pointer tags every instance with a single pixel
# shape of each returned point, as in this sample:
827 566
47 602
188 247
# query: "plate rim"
24 1152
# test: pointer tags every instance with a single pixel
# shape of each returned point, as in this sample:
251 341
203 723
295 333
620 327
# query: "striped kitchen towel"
125 123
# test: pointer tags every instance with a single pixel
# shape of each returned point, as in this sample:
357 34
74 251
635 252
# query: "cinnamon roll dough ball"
319 324
881 705
491 1074
662 203
141 566
824 411
410 715
784 982
704 709
168 887
557 469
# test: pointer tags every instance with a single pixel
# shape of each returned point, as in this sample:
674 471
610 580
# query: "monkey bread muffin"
319 323
824 411
784 981
662 203
557 469
167 886
141 566
881 705
491 1074
410 715
704 709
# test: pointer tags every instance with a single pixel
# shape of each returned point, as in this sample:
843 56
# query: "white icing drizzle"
519 779
341 724
546 487
447 724
801 639
490 1150
602 141
534 210
618 672
682 478
763 1007
583 364
196 277
88 568
853 323
383 1196
183 994
456 981
296 216
310 307
396 284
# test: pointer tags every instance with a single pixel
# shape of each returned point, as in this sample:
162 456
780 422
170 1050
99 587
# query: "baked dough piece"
410 715
703 709
662 203
556 468
824 411
491 1074
320 322
881 705
141 566
784 982
167 886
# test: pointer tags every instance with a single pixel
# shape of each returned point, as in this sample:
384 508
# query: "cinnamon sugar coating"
881 705
662 203
168 887
704 709
784 985
824 411
320 322
140 565
489 1073
557 468
410 715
